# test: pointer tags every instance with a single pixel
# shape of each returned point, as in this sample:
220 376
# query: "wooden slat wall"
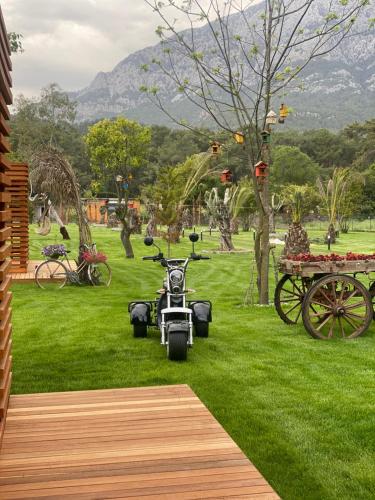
19 223
5 232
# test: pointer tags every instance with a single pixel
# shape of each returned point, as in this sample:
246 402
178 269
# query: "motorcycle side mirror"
148 241
193 237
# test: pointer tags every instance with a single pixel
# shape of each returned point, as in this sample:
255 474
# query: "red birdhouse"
226 176
261 170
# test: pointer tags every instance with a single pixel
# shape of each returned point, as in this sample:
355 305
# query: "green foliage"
116 147
299 200
48 120
291 166
340 195
15 42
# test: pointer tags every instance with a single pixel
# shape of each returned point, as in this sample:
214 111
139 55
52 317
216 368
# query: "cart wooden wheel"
372 295
337 306
289 294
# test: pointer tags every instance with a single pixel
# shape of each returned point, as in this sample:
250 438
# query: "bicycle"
54 273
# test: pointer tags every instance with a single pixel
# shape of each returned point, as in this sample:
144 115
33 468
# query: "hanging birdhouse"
239 137
283 113
215 148
226 176
261 171
271 118
266 137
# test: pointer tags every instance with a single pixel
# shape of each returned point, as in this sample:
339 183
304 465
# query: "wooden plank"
5 215
4 179
5 233
4 306
5 197
4 40
5 251
154 442
4 268
4 360
5 399
4 287
4 143
4 383
4 162
4 110
4 125
4 323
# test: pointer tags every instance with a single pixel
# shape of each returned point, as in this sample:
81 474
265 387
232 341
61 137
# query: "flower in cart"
94 258
333 257
54 250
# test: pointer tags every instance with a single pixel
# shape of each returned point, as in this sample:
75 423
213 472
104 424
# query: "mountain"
339 88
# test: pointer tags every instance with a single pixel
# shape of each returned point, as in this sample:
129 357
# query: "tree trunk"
223 221
332 233
152 228
262 250
234 225
125 240
297 240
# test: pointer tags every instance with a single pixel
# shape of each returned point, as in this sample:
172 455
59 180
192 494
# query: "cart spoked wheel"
337 306
289 294
372 295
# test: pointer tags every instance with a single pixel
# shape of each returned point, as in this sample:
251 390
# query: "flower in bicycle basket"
94 258
54 250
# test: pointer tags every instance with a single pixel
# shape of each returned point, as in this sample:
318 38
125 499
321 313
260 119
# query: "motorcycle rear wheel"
177 346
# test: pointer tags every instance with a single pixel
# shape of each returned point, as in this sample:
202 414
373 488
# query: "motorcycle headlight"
177 280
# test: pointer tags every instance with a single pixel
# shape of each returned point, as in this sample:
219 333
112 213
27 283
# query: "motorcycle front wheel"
177 346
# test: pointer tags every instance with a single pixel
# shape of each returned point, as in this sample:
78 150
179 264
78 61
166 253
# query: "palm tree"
332 195
299 200
52 174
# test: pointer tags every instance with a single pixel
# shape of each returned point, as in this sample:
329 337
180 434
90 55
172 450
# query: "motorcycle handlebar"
199 257
152 257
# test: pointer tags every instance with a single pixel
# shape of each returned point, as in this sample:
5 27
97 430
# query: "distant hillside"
339 88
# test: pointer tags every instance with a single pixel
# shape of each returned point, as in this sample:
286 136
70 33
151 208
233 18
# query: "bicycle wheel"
51 275
99 274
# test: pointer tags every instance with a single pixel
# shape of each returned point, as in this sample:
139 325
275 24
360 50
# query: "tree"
52 174
116 148
333 195
252 57
291 166
49 120
299 201
219 208
173 187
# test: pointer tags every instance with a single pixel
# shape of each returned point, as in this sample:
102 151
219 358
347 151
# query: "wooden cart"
327 295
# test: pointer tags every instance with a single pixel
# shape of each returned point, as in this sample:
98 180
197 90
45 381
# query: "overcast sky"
70 41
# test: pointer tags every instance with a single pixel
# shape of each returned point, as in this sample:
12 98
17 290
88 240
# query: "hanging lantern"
226 176
130 177
239 137
271 118
266 137
283 113
261 171
215 148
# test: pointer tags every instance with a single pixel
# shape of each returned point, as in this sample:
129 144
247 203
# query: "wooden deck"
151 443
29 275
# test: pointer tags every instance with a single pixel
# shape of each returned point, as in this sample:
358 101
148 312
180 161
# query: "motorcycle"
176 317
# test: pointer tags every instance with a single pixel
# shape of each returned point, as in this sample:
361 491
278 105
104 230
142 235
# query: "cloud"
69 42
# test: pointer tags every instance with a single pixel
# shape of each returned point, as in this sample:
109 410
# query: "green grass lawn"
302 410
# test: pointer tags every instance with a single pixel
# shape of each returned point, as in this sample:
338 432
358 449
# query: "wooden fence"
5 232
19 222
